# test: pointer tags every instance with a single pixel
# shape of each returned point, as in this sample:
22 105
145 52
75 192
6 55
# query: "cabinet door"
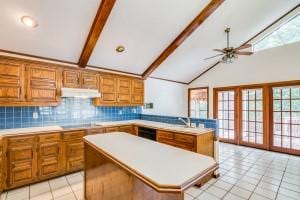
71 79
11 81
124 90
89 80
21 168
1 167
74 150
137 96
108 89
42 84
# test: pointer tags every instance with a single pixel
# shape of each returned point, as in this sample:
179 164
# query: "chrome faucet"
187 123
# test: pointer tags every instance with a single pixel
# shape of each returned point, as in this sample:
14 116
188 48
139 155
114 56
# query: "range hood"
80 93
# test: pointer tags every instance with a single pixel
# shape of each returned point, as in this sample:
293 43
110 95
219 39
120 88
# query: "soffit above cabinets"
245 18
145 29
63 26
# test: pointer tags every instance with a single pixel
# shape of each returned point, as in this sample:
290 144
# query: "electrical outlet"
35 115
134 110
120 112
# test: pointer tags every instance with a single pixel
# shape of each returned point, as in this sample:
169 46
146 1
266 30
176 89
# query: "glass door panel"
252 116
286 118
226 114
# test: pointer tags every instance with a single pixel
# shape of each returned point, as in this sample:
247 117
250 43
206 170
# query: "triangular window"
287 33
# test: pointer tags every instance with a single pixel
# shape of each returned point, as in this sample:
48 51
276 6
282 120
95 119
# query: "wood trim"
103 13
202 16
256 35
189 91
168 80
204 72
34 56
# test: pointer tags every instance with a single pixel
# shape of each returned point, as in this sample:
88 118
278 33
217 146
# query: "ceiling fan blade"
246 53
245 46
213 57
220 50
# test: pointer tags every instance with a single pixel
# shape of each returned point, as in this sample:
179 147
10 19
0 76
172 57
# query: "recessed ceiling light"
29 21
120 48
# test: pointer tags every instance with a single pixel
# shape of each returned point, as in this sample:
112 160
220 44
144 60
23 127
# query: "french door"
226 112
285 117
263 116
251 109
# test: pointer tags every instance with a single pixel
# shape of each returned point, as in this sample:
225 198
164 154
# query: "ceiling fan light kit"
230 54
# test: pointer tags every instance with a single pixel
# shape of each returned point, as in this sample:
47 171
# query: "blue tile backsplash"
208 123
71 111
75 111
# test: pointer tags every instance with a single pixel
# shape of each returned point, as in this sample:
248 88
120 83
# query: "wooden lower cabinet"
73 145
203 143
2 178
125 128
74 159
21 161
49 155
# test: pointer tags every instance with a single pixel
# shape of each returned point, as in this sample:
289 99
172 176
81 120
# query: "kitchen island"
123 166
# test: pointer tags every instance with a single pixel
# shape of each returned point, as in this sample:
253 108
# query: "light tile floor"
246 173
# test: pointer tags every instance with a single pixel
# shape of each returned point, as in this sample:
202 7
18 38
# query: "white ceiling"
62 31
245 18
145 28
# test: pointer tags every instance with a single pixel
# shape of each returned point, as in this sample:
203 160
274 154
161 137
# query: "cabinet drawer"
21 153
49 149
112 129
49 137
126 129
73 135
21 172
184 138
95 131
20 140
165 135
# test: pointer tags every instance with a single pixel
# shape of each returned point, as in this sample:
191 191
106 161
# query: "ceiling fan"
229 53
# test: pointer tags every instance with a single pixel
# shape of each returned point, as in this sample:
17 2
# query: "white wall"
271 65
169 98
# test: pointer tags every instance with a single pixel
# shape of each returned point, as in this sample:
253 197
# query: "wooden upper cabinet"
71 79
43 83
137 95
124 90
11 81
108 89
80 79
89 80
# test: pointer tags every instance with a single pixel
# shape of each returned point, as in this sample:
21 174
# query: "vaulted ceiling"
144 28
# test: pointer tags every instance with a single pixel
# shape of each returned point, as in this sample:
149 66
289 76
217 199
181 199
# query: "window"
252 115
198 102
285 34
226 114
286 117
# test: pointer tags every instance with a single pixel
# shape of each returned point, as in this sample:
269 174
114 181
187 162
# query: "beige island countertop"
161 167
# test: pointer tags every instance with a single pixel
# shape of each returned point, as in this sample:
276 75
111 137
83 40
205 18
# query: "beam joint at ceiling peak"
200 18
102 15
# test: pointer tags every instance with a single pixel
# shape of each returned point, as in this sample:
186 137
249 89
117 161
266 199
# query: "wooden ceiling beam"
103 13
202 16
